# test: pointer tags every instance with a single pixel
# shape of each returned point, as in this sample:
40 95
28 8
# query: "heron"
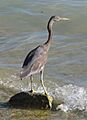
37 58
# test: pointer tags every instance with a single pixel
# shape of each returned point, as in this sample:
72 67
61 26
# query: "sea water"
22 28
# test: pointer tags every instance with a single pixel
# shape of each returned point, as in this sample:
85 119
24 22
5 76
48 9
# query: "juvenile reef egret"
37 58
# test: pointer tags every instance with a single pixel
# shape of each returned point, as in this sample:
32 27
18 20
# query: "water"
23 27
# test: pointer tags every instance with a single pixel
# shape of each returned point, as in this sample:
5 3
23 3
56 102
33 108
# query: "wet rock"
31 100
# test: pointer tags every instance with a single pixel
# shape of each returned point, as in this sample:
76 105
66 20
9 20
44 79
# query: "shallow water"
23 27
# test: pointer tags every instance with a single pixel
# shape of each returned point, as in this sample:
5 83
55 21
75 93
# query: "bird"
37 58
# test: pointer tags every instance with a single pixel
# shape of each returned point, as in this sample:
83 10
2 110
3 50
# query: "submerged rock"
31 100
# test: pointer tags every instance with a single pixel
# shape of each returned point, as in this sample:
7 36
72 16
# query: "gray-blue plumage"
34 61
29 57
37 58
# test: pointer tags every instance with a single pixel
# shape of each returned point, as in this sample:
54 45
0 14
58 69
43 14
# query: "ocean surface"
22 28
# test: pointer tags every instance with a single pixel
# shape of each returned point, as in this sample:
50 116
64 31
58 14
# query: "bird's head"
58 18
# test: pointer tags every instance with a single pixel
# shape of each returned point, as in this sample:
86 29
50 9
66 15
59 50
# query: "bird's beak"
64 19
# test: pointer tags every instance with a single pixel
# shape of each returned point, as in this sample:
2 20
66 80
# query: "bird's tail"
24 73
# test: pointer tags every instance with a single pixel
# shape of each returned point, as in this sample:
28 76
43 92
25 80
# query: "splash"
73 97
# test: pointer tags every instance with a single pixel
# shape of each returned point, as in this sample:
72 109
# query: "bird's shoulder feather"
33 55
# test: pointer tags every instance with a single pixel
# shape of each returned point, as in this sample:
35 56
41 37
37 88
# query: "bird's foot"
32 91
46 93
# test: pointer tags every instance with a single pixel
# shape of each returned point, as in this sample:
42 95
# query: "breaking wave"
73 97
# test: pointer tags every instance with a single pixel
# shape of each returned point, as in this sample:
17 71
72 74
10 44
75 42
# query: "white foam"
74 97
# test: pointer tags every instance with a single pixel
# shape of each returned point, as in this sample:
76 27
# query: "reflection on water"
23 27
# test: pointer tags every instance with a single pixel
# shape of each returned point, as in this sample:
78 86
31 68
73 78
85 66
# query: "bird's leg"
31 78
41 79
50 99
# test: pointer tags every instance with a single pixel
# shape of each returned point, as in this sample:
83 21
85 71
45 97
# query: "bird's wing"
32 56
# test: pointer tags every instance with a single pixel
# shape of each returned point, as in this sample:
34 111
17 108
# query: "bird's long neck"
49 28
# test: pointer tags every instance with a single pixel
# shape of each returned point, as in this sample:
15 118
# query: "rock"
56 103
31 100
